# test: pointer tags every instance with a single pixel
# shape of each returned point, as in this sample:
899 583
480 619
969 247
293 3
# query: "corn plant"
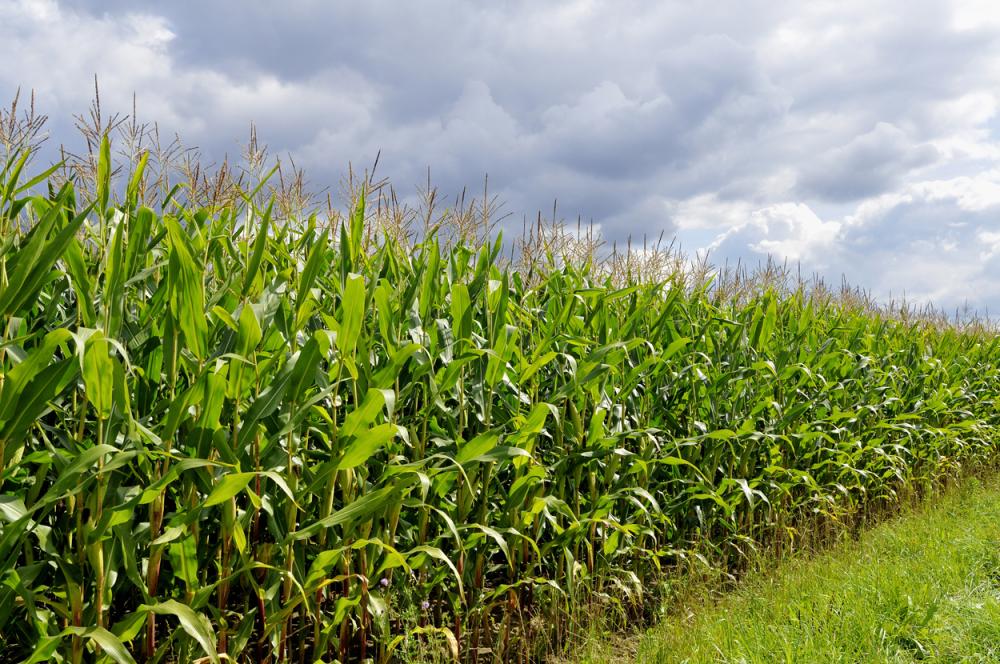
225 433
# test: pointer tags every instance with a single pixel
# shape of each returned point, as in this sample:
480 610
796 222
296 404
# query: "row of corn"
225 435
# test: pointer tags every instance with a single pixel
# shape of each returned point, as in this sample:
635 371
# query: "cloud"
935 241
850 136
788 231
871 163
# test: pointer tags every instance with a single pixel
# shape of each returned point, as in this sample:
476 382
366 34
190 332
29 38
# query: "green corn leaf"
227 487
187 300
103 181
257 255
36 397
477 447
134 183
29 267
108 642
80 280
354 513
195 624
461 311
438 554
352 314
314 264
365 444
98 374
365 414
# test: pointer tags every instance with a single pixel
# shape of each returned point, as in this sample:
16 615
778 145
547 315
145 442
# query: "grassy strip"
924 587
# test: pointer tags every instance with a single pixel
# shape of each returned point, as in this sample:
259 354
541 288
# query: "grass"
924 587
231 425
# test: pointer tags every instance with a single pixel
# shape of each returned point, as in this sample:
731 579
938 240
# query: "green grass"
924 587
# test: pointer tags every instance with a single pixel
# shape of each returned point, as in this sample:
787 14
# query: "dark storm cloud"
869 165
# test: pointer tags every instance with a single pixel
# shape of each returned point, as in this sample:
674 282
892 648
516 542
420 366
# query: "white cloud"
59 50
787 231
933 241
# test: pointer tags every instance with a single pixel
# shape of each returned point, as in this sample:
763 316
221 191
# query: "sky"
850 138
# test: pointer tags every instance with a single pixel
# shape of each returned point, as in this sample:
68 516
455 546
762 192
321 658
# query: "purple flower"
384 582
425 605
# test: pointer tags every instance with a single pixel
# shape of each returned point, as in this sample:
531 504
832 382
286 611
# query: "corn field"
227 434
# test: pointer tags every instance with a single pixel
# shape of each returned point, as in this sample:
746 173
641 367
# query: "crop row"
221 432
